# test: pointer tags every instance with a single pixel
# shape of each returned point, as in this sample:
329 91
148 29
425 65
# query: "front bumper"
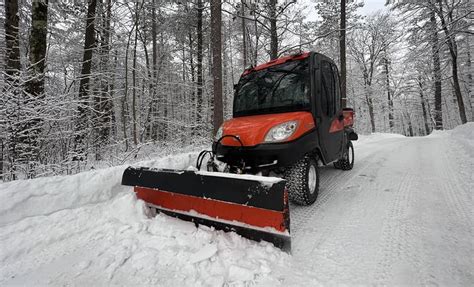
268 156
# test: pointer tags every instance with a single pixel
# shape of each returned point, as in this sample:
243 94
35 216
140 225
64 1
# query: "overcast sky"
370 6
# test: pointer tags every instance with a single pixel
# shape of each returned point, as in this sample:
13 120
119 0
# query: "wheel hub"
349 155
312 178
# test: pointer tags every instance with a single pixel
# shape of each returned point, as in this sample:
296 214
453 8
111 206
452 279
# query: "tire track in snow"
422 244
333 183
398 251
348 244
322 238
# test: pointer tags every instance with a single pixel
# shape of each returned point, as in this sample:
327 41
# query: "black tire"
347 160
300 190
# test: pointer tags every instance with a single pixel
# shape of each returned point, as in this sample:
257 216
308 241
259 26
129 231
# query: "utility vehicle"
287 120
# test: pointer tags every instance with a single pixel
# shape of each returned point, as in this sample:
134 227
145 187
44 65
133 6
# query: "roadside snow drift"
87 229
402 216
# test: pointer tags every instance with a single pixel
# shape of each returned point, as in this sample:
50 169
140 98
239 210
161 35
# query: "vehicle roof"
278 61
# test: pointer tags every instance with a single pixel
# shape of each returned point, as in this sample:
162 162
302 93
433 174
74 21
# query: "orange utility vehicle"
287 121
288 118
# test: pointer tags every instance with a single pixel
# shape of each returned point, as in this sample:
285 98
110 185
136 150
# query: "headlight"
218 134
281 132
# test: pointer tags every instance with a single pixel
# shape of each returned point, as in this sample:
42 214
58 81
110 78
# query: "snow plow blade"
254 207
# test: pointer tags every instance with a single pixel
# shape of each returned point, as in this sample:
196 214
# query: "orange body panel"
213 208
252 129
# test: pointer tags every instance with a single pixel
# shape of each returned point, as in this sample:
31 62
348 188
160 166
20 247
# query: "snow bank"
464 134
43 196
114 243
87 229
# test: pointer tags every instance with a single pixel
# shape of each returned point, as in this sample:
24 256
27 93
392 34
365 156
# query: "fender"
351 134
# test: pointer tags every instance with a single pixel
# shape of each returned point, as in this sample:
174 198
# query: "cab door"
331 126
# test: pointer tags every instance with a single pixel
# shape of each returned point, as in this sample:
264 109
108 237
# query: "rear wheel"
302 180
347 160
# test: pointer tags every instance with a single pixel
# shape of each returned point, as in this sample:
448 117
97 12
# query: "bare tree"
216 42
82 108
367 46
453 51
244 33
342 52
438 116
12 85
199 32
39 26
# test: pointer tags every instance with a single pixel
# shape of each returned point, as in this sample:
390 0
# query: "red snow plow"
287 121
254 207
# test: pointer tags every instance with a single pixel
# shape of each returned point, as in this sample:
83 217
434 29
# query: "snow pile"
87 229
465 135
114 242
43 196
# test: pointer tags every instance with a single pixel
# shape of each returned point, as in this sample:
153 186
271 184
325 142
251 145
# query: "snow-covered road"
402 216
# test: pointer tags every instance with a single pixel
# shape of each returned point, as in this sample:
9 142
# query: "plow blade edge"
252 206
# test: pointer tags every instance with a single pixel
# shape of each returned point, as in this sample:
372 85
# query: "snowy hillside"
403 215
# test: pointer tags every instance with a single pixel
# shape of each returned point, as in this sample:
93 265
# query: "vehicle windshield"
281 88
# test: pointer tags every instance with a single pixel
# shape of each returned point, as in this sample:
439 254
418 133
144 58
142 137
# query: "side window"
328 89
338 89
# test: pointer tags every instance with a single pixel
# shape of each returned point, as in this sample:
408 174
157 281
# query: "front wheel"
302 180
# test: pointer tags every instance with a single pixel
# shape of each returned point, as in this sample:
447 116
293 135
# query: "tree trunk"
273 30
35 86
1 159
216 40
371 112
89 44
154 106
410 125
164 103
194 115
39 26
12 78
438 112
423 107
12 55
257 37
470 82
199 117
457 87
342 52
368 99
389 96
244 34
105 102
453 50
134 80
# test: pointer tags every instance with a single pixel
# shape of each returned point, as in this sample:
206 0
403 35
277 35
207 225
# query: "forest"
93 83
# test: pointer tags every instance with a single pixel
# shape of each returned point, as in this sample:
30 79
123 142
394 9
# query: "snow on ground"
402 216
